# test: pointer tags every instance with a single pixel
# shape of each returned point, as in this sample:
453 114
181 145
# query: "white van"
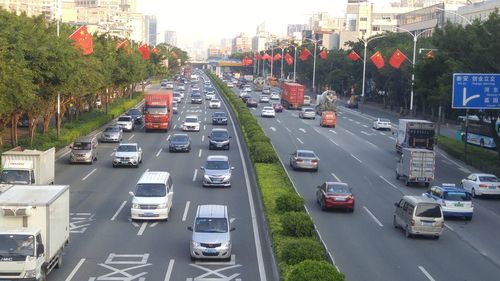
418 215
152 198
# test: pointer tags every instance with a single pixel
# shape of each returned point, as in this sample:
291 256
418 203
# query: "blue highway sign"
476 90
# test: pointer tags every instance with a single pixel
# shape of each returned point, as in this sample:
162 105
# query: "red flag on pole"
277 57
258 56
266 56
155 50
305 54
122 44
353 56
144 50
378 60
323 54
429 55
83 40
288 59
397 59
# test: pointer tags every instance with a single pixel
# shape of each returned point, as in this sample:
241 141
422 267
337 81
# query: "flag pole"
294 62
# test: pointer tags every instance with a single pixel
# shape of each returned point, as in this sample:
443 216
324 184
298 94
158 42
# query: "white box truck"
415 133
34 230
24 166
416 165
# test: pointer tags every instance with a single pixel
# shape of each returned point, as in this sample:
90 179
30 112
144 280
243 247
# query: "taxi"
454 201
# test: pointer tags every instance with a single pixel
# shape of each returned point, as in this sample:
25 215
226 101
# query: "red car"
335 195
277 107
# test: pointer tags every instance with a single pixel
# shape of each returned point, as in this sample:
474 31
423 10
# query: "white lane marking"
384 179
332 131
73 272
317 131
131 137
253 108
344 117
300 141
373 216
147 170
333 142
62 155
366 126
449 227
159 151
182 112
371 144
175 126
204 127
199 153
186 209
295 115
383 134
465 170
195 173
288 130
356 158
143 227
277 120
88 175
232 261
368 134
169 270
205 119
168 137
351 120
357 122
426 273
460 166
337 178
392 138
302 130
144 125
202 138
272 129
178 118
118 211
349 132
112 153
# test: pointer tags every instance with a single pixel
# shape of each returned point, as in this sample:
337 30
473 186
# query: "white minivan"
152 198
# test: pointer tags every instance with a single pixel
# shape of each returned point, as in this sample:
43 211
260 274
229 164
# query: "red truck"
158 110
292 95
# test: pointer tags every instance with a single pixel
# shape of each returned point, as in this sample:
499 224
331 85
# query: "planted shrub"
314 270
297 224
294 251
289 202
263 152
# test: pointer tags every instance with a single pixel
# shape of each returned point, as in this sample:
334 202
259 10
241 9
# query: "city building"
261 38
241 44
226 44
426 3
214 52
294 30
477 11
49 8
171 37
150 31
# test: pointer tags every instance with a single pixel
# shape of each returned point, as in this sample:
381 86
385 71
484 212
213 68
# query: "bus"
479 133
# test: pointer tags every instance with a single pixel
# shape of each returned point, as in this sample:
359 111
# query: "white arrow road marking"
88 175
168 137
272 129
302 130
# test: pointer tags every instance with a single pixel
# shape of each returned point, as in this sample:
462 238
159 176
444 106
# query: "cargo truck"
158 110
259 83
24 166
292 95
34 230
415 133
327 101
416 165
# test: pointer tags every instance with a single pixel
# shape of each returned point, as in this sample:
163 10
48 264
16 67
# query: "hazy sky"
211 20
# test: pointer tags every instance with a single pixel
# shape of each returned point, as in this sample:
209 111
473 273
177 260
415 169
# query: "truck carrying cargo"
24 166
416 166
327 101
34 230
158 110
292 95
259 83
415 133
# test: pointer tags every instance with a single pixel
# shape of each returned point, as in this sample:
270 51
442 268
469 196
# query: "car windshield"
456 196
384 120
308 110
219 114
214 100
81 146
177 95
195 95
157 110
125 118
306 154
428 211
337 189
191 120
150 190
15 176
211 225
127 148
219 135
112 129
267 108
180 138
16 247
217 165
488 179
134 112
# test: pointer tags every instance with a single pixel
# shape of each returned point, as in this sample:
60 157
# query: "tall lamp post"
456 14
365 42
315 41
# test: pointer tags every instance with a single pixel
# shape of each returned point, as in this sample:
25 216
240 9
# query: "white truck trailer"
34 230
415 133
24 166
416 165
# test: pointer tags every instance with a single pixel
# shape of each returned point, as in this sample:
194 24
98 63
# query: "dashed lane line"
88 175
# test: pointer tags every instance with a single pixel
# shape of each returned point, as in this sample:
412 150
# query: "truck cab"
17 172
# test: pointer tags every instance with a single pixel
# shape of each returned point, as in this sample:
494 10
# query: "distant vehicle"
136 115
181 87
353 102
415 133
217 171
126 122
112 133
191 123
328 119
179 142
416 165
219 118
277 107
418 215
210 95
307 100
267 111
214 103
247 88
382 123
304 159
454 202
266 90
169 85
175 108
230 84
264 99
84 149
307 113
152 197
259 83
478 133
177 97
219 138
196 98
274 96
127 154
292 95
336 195
481 184
250 102
163 82
327 101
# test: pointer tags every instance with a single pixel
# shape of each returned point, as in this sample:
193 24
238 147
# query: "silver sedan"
307 113
304 159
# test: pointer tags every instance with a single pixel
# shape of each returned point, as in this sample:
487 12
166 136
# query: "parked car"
219 138
126 122
304 159
267 111
307 113
219 118
136 115
251 102
264 99
191 123
278 107
382 123
217 171
179 142
333 195
214 103
454 202
127 154
112 133
481 184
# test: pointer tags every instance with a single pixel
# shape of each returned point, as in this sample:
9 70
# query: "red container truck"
158 110
292 95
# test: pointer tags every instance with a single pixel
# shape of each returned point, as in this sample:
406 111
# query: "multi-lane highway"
364 244
106 245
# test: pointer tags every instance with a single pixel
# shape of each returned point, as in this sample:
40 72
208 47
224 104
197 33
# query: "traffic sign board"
476 90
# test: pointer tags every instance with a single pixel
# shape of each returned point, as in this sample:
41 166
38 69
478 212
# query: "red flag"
397 59
155 50
258 57
378 60
277 57
305 54
144 50
323 54
353 56
266 56
246 61
429 55
288 58
83 40
174 55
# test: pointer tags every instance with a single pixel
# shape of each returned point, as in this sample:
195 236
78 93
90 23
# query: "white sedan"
191 123
481 184
382 123
214 103
267 111
275 96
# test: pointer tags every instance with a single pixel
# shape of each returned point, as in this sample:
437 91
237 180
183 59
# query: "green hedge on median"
313 270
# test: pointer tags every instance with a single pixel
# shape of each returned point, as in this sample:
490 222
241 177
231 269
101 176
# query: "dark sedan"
219 118
251 102
335 195
179 142
136 115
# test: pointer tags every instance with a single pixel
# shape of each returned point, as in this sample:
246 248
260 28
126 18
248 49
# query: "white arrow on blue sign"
476 90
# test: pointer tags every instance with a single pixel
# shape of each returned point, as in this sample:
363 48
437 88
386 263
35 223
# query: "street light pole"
365 42
315 41
294 62
282 49
272 60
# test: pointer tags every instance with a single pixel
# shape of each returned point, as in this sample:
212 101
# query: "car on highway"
181 87
127 154
191 123
217 171
251 102
274 96
454 201
211 238
219 118
264 99
219 138
214 103
478 184
179 142
247 88
210 95
418 215
206 83
267 111
230 84
195 88
382 123
307 113
177 97
175 108
307 100
335 195
113 133
278 107
153 196
328 119
136 115
304 159
163 82
196 98
84 149
126 122
266 90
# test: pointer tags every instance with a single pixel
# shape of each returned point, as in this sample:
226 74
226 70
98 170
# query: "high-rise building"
427 3
293 29
171 37
241 44
48 8
226 45
150 25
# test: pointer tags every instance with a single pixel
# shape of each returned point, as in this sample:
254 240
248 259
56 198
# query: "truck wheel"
43 274
427 184
59 261
397 175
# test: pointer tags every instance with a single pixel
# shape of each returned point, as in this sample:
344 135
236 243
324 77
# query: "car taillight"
350 197
314 161
483 185
412 222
